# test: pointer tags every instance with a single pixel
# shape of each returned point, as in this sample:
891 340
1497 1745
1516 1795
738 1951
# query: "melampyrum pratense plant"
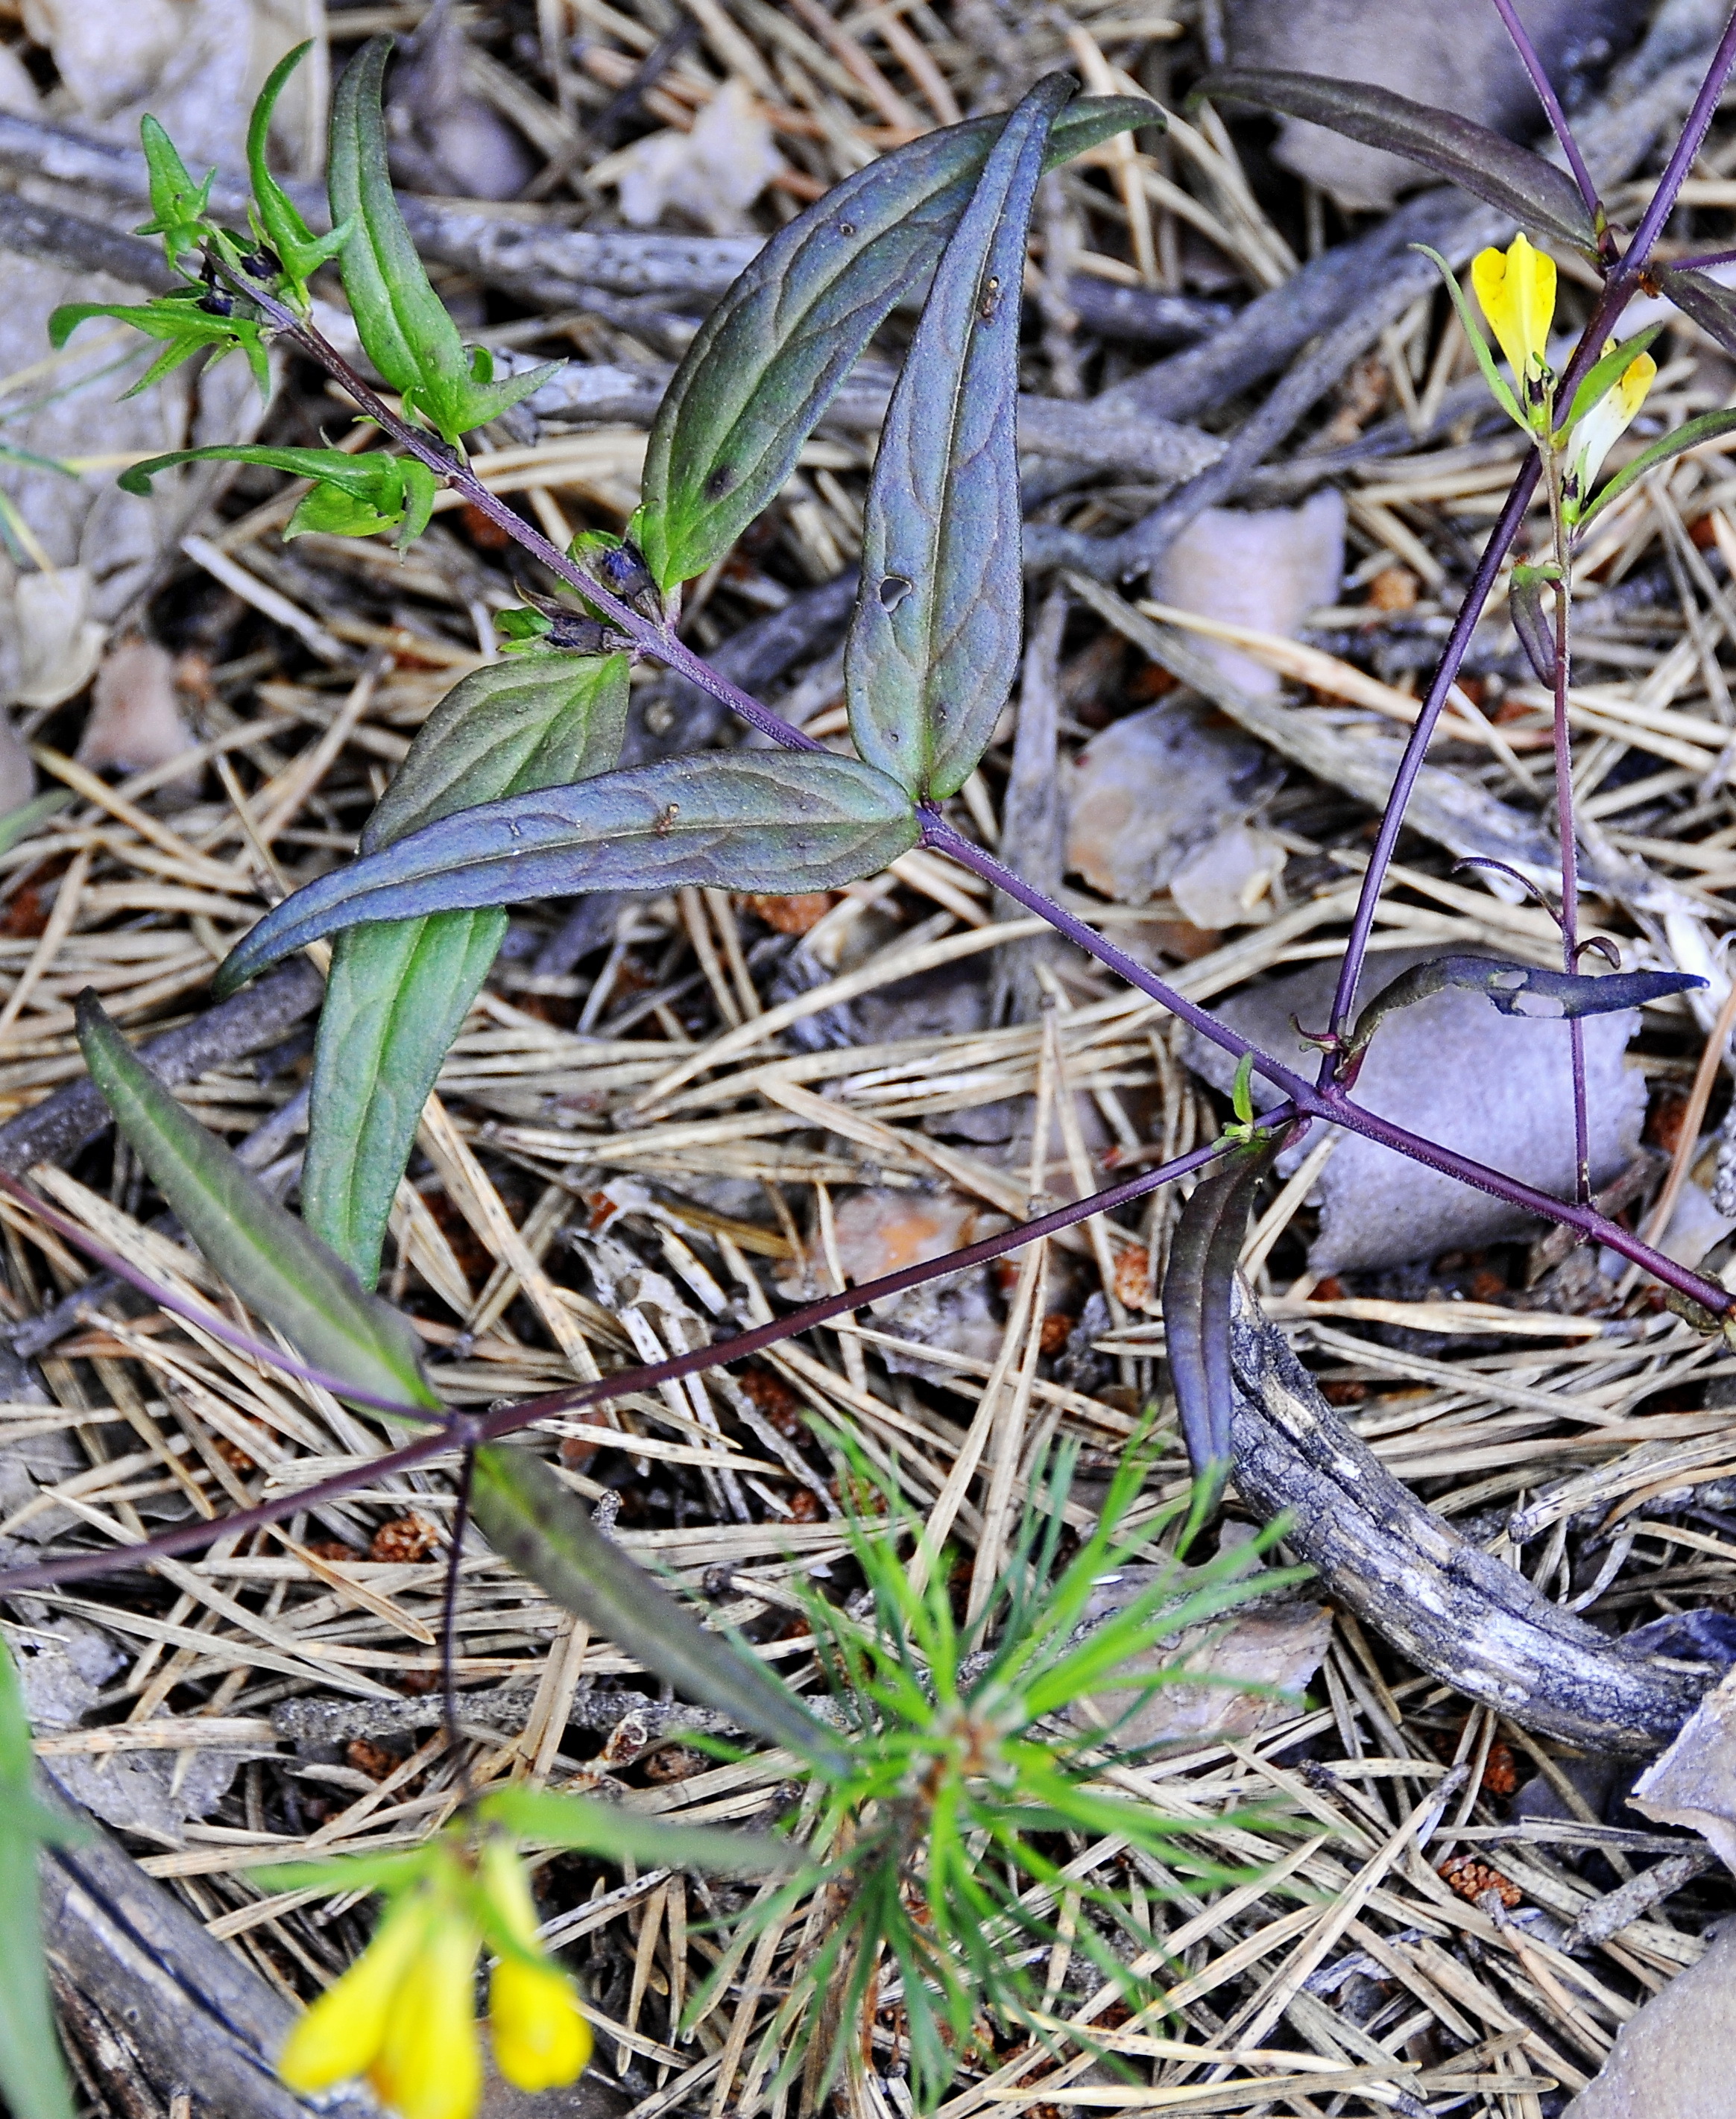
942 1749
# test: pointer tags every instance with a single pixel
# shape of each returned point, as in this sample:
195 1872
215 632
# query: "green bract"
277 221
354 496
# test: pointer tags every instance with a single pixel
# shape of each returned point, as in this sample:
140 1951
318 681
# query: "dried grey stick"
137 1966
1609 1915
84 246
310 1720
1445 1605
257 1017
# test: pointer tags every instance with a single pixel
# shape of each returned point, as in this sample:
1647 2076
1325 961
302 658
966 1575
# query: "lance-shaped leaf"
782 821
1528 990
1479 345
1203 1257
935 642
615 1833
401 321
258 1246
399 990
532 1519
1603 378
1697 295
180 318
276 219
356 496
177 204
32 2078
771 356
1688 436
1530 621
1543 199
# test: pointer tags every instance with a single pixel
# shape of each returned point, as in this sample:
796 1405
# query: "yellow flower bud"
1603 425
541 2039
1516 291
429 2063
341 2033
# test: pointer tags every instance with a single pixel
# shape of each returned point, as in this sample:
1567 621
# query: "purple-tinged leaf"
933 647
1532 624
771 820
1542 198
1203 1258
1526 990
771 356
1697 295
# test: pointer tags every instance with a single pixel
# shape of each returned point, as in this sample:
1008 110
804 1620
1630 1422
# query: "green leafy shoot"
403 324
277 221
178 205
1608 372
1498 386
1241 1099
32 2078
352 496
974 1752
1707 428
184 322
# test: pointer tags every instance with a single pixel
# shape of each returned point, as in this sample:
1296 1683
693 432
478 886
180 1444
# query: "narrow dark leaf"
1697 295
1203 1257
771 356
1535 628
1526 990
616 1833
1543 199
935 643
783 821
533 1520
402 323
31 2077
1689 435
260 1249
399 990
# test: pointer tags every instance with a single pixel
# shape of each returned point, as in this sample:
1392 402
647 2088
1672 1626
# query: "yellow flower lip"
1603 426
1516 291
541 2039
341 2033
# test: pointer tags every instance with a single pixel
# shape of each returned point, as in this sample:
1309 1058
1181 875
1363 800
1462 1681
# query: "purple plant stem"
1675 170
1552 110
465 1431
449 1623
1701 262
1326 1101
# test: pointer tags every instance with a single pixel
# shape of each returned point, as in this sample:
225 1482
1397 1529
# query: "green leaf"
31 2074
1203 1257
1688 436
533 1520
1525 990
1530 621
1542 198
618 1834
17 825
1498 386
1608 372
934 646
178 205
261 1249
357 496
399 990
772 354
771 820
277 220
179 319
403 324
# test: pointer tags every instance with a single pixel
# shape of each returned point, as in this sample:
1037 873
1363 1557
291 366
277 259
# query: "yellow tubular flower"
541 2039
341 2033
429 2063
1604 425
1517 292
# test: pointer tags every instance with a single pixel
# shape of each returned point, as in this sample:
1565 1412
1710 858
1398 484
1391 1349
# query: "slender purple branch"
219 1327
465 1431
1675 170
1552 110
449 1621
